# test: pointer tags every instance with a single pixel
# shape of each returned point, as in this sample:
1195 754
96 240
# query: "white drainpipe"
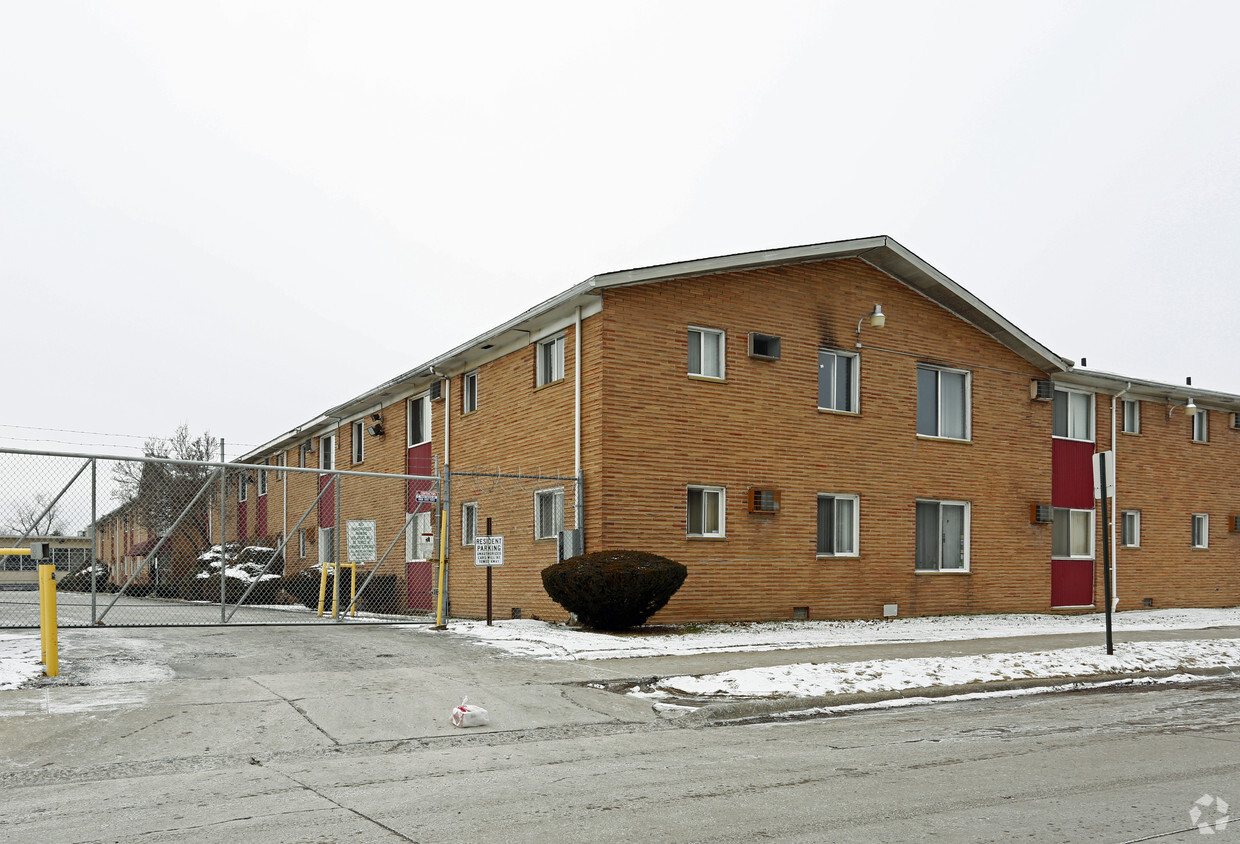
1116 517
578 514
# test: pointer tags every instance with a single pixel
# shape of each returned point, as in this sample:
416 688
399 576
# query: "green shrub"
614 590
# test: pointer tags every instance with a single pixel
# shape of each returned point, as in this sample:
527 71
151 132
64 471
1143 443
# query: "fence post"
223 532
94 539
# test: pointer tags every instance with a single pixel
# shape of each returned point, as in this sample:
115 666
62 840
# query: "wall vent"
1041 390
436 390
1041 514
1235 523
763 346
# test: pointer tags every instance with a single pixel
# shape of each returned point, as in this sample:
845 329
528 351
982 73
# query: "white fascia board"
1111 383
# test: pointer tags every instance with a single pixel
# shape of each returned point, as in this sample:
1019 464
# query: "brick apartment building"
754 417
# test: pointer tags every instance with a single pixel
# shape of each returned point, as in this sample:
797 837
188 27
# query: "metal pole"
94 538
1106 546
338 494
489 578
223 533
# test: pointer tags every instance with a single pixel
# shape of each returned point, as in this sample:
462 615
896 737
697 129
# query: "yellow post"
353 588
443 539
42 615
322 587
48 620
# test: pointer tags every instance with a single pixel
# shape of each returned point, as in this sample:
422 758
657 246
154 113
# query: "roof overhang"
1113 384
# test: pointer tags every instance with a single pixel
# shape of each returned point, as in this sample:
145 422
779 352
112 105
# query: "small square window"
1201 530
550 360
706 515
1130 529
706 352
469 392
548 513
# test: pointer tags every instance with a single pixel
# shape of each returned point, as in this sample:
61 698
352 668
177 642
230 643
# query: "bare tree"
29 518
159 492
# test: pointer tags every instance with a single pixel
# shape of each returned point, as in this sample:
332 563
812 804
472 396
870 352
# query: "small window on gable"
550 360
1132 416
706 352
763 346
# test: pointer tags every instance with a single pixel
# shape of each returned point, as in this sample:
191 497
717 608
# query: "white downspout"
578 515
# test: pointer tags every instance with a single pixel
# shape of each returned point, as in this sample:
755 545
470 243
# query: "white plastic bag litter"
468 715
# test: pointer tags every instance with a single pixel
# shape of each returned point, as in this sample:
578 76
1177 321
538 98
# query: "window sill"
931 438
1131 433
837 556
1200 442
547 384
833 412
707 378
1200 548
1072 439
933 572
415 445
1055 559
697 538
465 413
1130 547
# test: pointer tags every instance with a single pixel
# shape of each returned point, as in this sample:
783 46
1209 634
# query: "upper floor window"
943 402
550 360
243 488
262 481
837 525
359 441
837 380
548 513
1072 533
327 452
1074 415
706 511
1132 417
469 392
419 415
1201 426
281 461
1201 530
706 352
942 536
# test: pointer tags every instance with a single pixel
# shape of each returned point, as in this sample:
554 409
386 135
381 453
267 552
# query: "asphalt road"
328 735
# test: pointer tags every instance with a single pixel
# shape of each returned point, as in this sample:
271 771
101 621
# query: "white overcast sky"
237 215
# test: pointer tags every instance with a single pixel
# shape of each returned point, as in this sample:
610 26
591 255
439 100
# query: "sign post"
489 552
1104 486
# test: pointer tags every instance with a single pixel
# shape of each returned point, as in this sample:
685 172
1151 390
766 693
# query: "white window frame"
469 392
853 536
418 407
1069 433
243 491
1201 426
301 544
469 522
549 360
1131 423
552 531
1069 513
938 401
720 496
701 332
854 372
327 452
1202 519
966 543
358 450
282 463
262 482
1130 538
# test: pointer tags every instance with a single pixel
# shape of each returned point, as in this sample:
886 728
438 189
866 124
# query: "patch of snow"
19 659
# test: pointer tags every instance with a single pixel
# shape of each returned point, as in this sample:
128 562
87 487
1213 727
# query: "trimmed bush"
614 590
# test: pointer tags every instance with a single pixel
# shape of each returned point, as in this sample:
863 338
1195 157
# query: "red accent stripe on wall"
418 461
243 521
327 504
260 518
1072 474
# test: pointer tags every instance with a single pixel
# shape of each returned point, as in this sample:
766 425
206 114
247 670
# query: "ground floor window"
548 513
1201 530
942 536
469 522
837 525
1072 534
706 514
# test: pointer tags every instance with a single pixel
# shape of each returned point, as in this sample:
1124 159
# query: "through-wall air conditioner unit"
763 346
436 390
1041 514
1042 390
1234 523
572 544
763 500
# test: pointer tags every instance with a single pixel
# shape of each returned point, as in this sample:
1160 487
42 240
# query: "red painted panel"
260 518
1072 583
243 521
1072 474
418 461
419 577
327 504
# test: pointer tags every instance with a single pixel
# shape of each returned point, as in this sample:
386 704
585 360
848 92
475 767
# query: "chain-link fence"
151 541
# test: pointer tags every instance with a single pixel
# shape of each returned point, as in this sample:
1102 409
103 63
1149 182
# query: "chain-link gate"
158 541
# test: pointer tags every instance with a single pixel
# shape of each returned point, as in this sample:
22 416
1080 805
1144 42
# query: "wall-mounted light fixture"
877 320
1190 408
375 430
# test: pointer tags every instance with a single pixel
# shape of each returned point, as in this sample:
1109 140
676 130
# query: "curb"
738 712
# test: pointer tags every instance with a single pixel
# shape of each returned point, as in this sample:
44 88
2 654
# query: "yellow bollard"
48 620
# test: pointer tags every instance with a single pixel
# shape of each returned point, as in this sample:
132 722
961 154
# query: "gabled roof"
881 252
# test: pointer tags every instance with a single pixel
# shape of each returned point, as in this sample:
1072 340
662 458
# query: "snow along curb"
749 710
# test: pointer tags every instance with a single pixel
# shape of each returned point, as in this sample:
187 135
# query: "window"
706 511
327 452
942 536
1130 529
550 360
548 513
281 461
469 392
942 403
301 544
1073 415
327 545
469 522
262 481
1072 534
1201 426
419 415
301 460
243 488
1132 417
706 352
837 381
1201 530
837 525
359 441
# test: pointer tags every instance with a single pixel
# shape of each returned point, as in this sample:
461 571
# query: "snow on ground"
19 658
811 680
542 640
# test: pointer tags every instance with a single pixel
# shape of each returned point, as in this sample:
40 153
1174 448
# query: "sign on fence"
363 548
488 551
